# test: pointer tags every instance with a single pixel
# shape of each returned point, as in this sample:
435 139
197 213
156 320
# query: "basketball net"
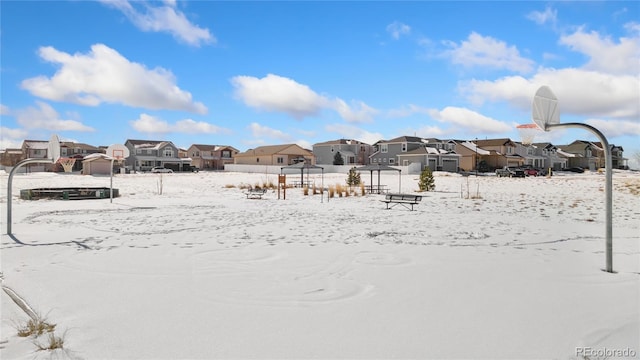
67 164
527 133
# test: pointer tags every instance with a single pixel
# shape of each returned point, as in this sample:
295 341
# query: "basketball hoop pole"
10 181
608 183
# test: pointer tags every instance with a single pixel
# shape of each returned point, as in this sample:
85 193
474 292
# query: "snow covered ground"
484 268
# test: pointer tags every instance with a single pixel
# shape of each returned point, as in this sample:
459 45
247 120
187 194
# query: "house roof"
427 150
402 139
285 149
149 144
473 147
75 145
36 144
493 142
340 142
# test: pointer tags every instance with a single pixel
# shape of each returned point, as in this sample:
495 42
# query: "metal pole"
111 183
608 184
10 180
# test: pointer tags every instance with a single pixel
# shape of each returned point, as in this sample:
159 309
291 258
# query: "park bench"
255 193
406 200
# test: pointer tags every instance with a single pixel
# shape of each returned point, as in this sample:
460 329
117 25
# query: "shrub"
35 327
337 159
426 182
53 342
353 178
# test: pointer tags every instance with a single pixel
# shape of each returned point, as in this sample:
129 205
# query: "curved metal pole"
9 182
608 184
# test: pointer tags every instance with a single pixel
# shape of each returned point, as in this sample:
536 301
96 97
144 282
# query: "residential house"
386 151
531 154
617 160
10 157
584 154
36 149
146 154
502 152
436 159
76 151
211 157
353 152
471 156
553 157
97 164
287 154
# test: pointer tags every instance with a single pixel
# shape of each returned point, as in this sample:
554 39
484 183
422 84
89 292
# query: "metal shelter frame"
379 168
302 167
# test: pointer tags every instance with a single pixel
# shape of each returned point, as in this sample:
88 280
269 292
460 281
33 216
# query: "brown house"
211 157
502 152
287 154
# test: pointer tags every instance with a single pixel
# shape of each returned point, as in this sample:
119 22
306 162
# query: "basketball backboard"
118 151
545 109
54 149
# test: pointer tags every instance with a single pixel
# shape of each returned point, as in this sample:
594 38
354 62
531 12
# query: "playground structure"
70 193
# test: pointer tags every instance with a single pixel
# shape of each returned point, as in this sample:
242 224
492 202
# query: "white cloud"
153 125
104 75
277 93
4 110
261 132
346 131
469 120
44 116
397 29
358 112
605 54
579 92
281 94
615 128
163 18
485 51
549 15
12 133
12 138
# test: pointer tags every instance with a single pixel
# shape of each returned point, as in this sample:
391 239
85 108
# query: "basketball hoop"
527 133
67 164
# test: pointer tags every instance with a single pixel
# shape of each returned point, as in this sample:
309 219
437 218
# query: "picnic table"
299 183
376 189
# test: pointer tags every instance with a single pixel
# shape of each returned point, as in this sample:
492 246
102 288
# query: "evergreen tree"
426 183
353 179
337 159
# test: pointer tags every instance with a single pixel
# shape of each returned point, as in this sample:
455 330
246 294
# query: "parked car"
160 169
531 172
576 169
510 172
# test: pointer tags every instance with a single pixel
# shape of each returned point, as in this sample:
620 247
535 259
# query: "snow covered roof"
473 147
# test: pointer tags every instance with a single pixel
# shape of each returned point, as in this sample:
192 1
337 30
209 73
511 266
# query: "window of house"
391 161
384 160
280 160
404 147
509 149
139 151
168 152
384 148
589 153
257 159
226 154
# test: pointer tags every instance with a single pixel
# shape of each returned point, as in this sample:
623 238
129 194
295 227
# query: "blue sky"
259 73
